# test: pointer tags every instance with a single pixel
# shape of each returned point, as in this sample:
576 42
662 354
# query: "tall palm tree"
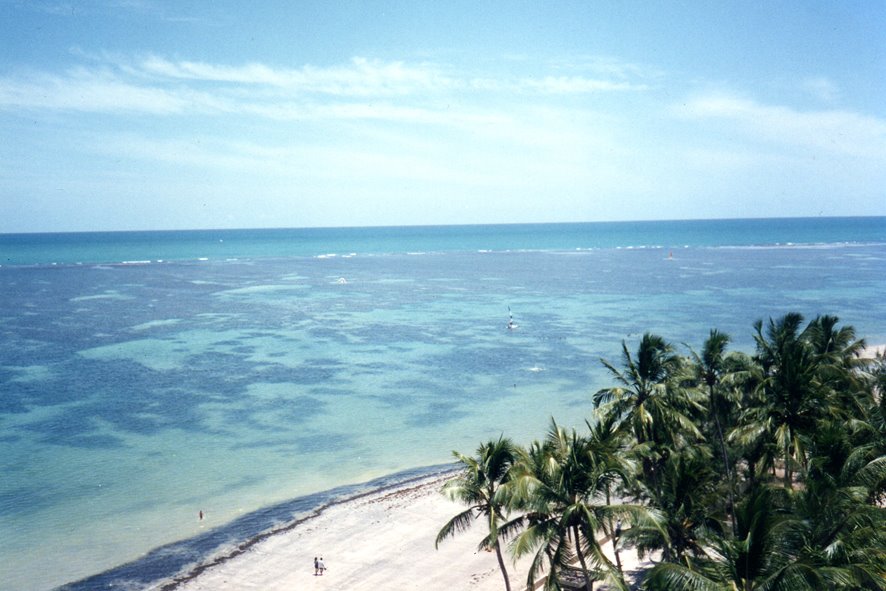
710 368
838 344
838 357
478 485
560 486
649 401
792 398
606 447
688 504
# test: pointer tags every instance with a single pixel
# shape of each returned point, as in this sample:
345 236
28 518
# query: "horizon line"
451 225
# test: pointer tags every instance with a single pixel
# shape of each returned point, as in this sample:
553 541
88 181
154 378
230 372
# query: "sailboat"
511 324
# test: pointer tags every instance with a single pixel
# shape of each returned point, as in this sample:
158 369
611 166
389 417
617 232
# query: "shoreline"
168 566
384 538
380 538
435 476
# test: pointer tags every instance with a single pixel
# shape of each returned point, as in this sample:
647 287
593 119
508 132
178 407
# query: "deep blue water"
251 375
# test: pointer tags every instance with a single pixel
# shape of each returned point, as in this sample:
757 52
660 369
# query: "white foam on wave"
155 323
107 295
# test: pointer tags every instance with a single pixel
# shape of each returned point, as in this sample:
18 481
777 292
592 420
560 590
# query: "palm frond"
677 577
459 523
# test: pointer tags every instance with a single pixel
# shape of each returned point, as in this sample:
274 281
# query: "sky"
150 114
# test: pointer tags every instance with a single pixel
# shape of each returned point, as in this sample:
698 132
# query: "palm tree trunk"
725 463
501 565
787 464
589 583
613 534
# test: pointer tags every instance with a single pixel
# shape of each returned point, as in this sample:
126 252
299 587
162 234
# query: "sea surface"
255 375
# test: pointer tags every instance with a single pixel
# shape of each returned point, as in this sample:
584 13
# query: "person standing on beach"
316 566
322 566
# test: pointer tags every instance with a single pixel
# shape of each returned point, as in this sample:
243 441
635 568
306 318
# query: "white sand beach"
381 541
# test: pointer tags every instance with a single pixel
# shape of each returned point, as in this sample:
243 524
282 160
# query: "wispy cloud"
362 87
577 85
835 131
361 77
93 91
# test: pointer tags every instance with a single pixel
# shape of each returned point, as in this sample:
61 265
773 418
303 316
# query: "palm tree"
710 368
560 486
838 345
847 527
789 542
479 486
765 555
649 402
838 357
688 505
866 460
606 446
792 399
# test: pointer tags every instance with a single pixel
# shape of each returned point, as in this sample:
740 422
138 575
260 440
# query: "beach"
383 540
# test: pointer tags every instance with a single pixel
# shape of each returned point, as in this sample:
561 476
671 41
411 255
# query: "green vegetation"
732 471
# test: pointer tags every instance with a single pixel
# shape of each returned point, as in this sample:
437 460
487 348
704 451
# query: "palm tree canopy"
648 402
477 486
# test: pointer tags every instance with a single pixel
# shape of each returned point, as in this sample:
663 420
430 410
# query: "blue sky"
141 114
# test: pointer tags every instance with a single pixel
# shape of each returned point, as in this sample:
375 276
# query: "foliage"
737 472
479 486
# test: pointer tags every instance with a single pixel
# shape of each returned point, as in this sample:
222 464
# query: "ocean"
254 375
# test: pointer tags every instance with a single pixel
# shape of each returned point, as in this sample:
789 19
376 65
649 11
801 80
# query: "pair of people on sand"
319 567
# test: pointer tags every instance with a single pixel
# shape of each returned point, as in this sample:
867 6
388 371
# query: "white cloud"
361 88
833 131
361 77
610 67
576 85
81 90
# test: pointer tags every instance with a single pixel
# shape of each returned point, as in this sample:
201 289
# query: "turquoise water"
117 247
254 374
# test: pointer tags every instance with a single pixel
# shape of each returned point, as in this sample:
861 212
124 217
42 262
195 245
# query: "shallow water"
136 395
